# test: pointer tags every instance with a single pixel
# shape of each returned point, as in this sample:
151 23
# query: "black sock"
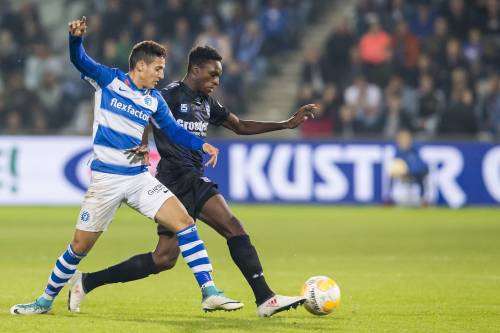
135 268
247 260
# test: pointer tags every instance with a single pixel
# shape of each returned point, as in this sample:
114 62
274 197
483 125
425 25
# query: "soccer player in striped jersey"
124 104
181 170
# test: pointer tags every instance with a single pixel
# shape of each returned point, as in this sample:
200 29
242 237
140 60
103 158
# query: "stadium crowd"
40 94
428 66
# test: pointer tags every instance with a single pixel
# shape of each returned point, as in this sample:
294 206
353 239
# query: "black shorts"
192 190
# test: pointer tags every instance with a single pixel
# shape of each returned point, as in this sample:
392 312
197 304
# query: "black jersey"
193 111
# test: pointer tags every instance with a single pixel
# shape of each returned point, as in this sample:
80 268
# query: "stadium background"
373 66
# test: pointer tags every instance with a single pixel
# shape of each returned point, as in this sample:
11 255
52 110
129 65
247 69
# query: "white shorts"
107 191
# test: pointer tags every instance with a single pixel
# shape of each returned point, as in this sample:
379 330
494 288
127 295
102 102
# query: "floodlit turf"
399 270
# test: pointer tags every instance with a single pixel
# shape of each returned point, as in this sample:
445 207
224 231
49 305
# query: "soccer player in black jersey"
181 171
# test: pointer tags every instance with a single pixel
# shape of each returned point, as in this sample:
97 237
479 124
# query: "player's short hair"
202 54
147 51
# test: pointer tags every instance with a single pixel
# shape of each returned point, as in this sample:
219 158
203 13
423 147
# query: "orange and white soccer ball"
322 295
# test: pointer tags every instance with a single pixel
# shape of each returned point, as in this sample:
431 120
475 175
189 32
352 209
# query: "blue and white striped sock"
63 271
194 253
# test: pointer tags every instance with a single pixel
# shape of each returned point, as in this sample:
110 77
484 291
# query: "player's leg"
217 214
63 270
99 206
154 200
173 215
137 267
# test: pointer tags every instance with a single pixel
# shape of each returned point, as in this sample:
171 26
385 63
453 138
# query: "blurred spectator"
346 127
490 108
490 22
216 39
149 31
326 115
407 171
299 12
363 13
373 48
11 58
431 103
332 101
435 45
312 70
171 11
113 19
395 117
233 94
249 53
459 118
135 25
459 84
422 20
398 12
49 94
473 52
23 107
39 63
458 18
366 99
408 95
274 23
374 43
337 52
454 60
406 49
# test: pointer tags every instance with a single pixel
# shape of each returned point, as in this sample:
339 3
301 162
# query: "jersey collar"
190 91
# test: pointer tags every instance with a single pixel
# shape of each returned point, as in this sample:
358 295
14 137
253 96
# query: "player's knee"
80 246
233 228
186 220
165 262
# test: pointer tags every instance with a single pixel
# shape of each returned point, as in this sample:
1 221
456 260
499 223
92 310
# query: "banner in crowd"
54 170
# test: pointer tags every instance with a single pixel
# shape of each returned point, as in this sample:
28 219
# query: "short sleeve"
218 112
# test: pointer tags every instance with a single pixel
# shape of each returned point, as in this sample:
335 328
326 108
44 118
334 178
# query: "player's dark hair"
147 51
202 54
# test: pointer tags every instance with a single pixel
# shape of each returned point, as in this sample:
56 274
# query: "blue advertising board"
328 172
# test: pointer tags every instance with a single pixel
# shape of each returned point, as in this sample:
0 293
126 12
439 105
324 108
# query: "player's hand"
305 112
213 152
138 154
78 27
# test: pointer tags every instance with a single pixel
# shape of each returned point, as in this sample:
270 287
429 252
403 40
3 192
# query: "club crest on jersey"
148 100
85 216
184 108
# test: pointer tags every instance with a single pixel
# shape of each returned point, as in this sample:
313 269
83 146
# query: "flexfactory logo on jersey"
195 127
130 109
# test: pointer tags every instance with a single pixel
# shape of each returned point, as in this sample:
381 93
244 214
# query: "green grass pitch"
399 270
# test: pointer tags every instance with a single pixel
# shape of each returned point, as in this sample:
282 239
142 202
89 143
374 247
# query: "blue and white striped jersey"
121 113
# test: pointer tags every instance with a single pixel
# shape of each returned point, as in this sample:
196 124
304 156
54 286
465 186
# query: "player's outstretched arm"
249 127
79 58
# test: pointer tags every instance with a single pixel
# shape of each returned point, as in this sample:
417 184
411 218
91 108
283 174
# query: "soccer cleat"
279 303
76 294
40 306
214 299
